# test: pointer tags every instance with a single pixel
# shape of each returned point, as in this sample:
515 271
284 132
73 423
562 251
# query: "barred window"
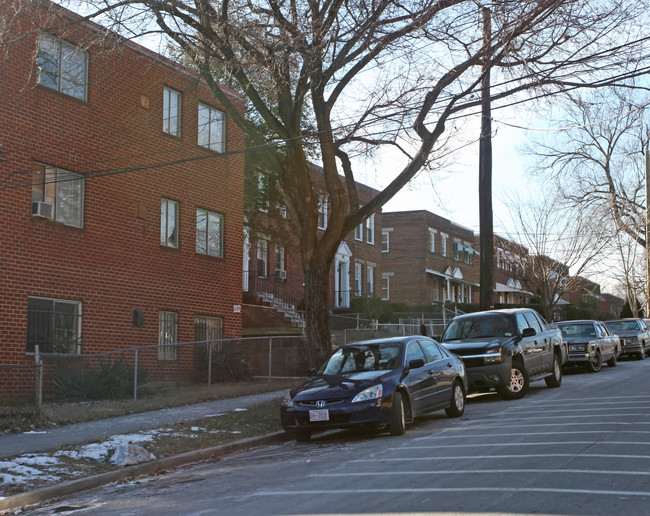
167 337
54 325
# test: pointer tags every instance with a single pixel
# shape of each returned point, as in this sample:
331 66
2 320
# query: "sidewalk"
79 433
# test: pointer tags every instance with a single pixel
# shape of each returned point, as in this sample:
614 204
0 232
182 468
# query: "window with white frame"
370 281
358 281
62 66
167 335
54 325
385 241
262 258
322 212
281 272
168 223
171 112
443 240
358 232
458 250
211 128
370 229
432 240
385 287
209 233
58 195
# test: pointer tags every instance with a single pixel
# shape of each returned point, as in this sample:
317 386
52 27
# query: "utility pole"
647 233
486 236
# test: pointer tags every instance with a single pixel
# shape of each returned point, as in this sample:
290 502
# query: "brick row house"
427 259
120 198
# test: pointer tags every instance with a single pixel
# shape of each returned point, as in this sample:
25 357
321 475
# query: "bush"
229 363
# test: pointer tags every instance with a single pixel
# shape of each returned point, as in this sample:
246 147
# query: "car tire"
640 356
302 436
397 424
456 406
612 361
517 385
555 380
593 366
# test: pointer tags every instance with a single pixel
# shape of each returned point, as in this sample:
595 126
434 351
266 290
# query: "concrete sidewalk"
79 433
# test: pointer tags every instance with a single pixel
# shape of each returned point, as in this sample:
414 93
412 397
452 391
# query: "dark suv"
507 349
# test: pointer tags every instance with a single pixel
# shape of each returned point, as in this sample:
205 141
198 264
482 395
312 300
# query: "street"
581 449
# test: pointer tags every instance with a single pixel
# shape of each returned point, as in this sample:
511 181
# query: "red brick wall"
115 262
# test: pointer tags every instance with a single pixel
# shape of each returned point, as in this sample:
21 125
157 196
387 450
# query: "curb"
175 461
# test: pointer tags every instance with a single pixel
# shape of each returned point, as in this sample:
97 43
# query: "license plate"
319 415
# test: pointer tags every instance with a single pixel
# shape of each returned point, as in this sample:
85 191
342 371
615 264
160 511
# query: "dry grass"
152 396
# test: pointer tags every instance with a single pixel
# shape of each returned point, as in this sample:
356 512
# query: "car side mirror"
528 332
416 363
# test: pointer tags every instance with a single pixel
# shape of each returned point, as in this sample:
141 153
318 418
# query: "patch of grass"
153 396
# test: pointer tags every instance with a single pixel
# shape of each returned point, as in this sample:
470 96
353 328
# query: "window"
432 240
385 287
58 195
358 274
322 212
370 276
431 350
262 258
458 250
209 233
171 112
168 223
262 191
385 241
279 262
370 230
207 328
167 328
53 325
414 352
211 128
358 232
443 238
61 66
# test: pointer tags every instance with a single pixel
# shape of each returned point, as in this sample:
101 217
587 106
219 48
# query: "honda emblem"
320 404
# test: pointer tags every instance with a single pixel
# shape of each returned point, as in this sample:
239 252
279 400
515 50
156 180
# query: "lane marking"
358 491
465 436
474 471
544 443
504 456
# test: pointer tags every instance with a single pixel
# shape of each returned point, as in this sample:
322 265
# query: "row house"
510 262
427 259
121 200
272 266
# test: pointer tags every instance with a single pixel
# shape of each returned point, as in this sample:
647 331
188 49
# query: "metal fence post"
135 376
38 383
270 357
209 367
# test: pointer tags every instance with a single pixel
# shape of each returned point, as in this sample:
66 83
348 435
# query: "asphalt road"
581 449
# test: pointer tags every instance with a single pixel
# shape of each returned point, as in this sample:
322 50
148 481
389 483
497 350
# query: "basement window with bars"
54 325
167 336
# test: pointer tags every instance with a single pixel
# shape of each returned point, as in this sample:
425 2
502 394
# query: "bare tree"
561 247
372 75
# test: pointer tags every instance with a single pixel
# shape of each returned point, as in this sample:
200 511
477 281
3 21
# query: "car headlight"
287 402
493 356
576 347
370 393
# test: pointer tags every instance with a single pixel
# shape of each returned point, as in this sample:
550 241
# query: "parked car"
506 350
634 336
377 383
590 344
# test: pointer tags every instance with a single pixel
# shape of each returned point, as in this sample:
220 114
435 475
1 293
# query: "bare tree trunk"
317 310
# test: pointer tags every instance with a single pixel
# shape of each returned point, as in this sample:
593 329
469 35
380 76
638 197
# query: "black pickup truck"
506 350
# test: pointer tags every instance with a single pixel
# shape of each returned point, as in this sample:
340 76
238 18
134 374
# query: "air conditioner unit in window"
280 274
42 209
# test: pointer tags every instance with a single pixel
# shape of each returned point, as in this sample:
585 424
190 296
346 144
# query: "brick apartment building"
427 259
120 203
510 261
273 267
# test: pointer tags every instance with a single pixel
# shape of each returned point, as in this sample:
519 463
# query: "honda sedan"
377 383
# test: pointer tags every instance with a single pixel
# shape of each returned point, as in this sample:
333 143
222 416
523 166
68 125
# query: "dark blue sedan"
375 384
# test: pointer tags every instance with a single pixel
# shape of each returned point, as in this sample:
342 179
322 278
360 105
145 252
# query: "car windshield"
623 326
578 330
480 327
351 359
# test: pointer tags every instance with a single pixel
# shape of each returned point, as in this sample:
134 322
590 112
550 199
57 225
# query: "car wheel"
612 361
302 436
640 356
397 420
593 366
456 406
517 384
555 380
